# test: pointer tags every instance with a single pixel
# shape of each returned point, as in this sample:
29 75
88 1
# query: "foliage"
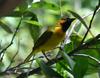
78 57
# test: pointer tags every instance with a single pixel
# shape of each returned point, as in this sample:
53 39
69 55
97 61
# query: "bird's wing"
43 39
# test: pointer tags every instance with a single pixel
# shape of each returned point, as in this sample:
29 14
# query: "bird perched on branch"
51 38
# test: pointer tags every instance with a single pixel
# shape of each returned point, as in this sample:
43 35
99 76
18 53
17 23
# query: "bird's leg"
45 56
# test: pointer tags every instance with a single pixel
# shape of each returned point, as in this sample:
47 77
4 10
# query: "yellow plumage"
50 39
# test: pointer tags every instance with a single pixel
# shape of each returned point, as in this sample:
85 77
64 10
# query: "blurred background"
38 15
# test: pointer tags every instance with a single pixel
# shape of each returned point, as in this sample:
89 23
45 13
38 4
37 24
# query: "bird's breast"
55 39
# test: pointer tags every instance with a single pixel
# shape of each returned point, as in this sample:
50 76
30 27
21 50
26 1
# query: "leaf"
75 40
5 27
44 4
35 23
80 67
90 60
66 67
29 1
78 27
68 47
70 62
23 6
50 73
81 19
34 29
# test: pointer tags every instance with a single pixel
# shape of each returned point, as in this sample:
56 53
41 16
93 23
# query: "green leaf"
80 67
5 27
35 32
68 47
75 40
33 28
78 27
64 66
50 73
93 41
70 62
81 19
44 4
29 1
59 68
23 6
34 23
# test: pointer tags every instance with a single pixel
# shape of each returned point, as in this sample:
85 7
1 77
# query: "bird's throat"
59 31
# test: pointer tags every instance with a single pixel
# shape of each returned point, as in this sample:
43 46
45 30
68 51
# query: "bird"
51 38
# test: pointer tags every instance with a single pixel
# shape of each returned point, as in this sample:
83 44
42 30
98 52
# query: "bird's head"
65 23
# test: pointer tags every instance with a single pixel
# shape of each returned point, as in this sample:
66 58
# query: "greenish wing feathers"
43 38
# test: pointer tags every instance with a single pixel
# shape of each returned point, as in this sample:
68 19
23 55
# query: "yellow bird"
50 39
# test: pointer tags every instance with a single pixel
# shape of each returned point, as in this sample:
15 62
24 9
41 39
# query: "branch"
3 50
72 53
96 9
83 46
53 61
13 57
37 70
49 63
69 32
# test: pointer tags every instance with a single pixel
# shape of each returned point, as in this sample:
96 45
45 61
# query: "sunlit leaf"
44 4
75 40
65 67
69 47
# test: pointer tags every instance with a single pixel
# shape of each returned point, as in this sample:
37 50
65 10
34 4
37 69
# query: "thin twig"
69 32
24 74
17 66
97 7
3 50
13 56
37 70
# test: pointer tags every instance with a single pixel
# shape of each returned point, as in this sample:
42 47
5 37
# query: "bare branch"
96 9
3 50
13 57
